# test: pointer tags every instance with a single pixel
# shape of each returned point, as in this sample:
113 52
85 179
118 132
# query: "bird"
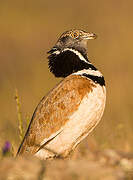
73 108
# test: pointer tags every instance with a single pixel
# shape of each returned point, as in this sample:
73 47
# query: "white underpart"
89 71
80 124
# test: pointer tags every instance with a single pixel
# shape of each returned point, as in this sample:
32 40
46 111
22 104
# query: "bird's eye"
75 35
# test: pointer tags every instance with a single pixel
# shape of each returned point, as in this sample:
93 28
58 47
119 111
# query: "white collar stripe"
78 54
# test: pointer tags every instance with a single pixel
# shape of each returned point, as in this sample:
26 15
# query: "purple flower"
6 148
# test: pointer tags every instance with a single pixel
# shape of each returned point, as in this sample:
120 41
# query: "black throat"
64 63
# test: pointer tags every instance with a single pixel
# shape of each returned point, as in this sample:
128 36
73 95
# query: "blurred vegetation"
28 29
20 120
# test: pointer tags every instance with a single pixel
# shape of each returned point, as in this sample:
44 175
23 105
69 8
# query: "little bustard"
74 107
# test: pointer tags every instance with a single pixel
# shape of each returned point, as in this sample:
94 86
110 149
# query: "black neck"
97 79
67 62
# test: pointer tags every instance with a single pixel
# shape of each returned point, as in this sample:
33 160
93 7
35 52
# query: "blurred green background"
28 29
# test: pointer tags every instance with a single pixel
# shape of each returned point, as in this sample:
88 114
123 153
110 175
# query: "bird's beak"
90 36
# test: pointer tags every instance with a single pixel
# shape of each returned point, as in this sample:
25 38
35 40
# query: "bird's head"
74 39
69 54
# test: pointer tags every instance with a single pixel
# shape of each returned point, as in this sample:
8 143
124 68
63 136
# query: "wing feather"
53 112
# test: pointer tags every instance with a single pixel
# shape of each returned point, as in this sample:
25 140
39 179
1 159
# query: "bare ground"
106 165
